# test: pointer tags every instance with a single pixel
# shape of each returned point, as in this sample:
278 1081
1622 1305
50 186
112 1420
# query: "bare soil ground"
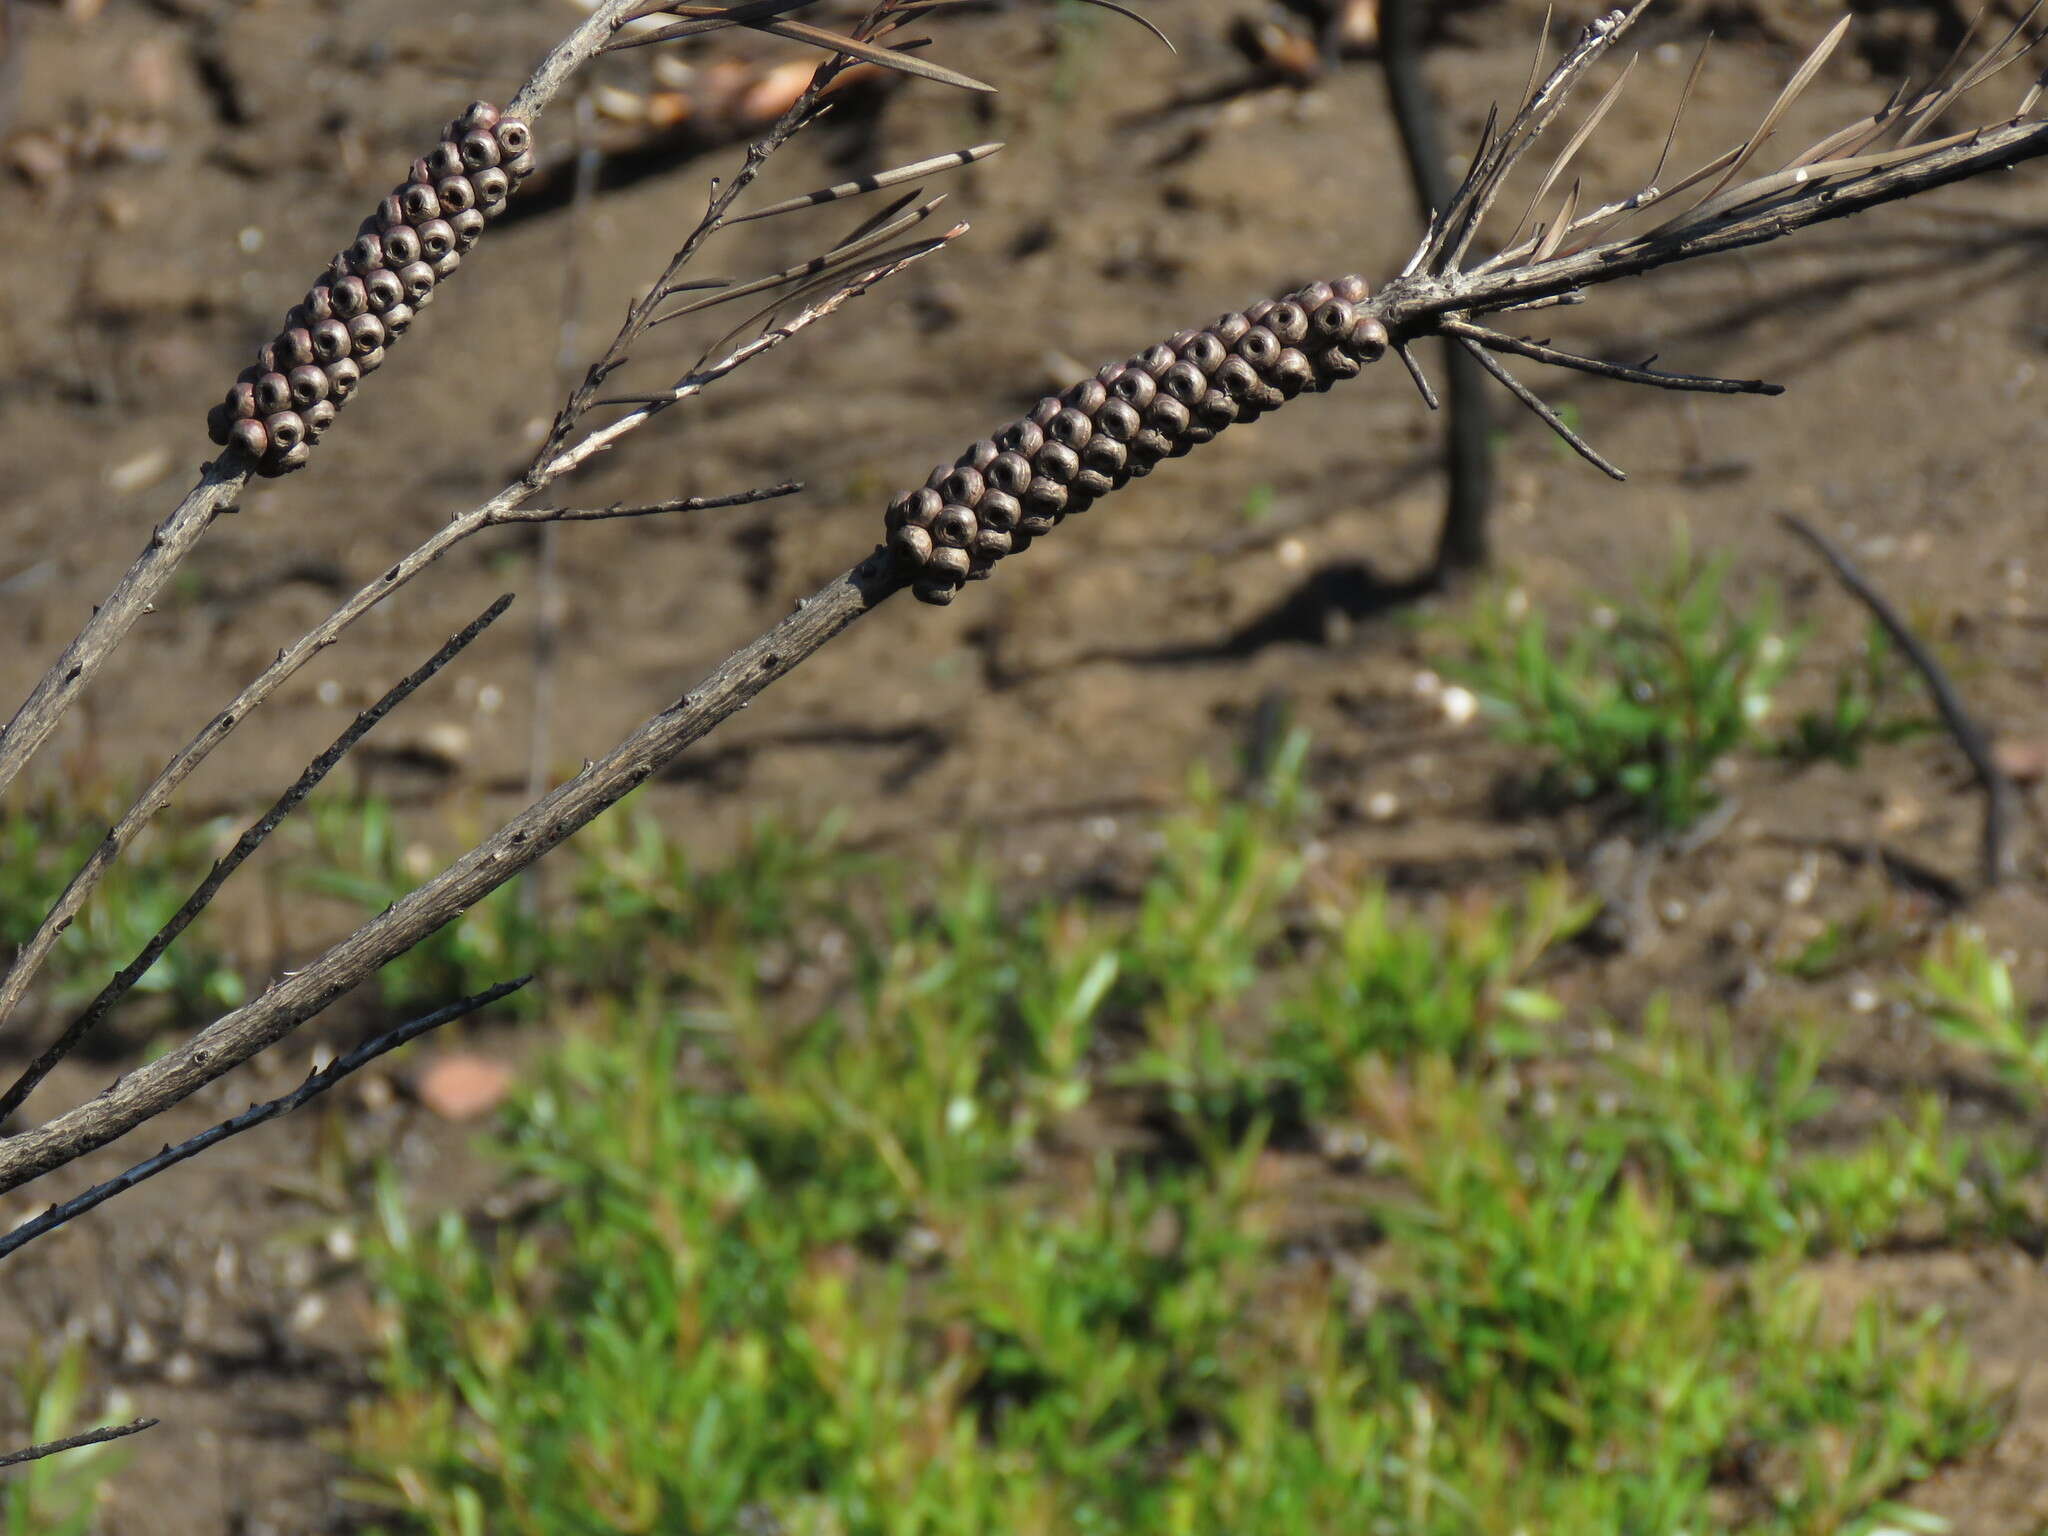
209 156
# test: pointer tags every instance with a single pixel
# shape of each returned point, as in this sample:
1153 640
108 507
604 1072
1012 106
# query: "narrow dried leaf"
1692 78
1560 226
1794 89
888 58
699 19
875 183
1573 145
850 250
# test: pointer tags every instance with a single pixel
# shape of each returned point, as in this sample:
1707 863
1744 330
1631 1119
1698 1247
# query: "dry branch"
98 1436
1431 290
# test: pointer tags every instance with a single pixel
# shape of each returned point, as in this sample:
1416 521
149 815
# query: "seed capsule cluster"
370 292
1009 489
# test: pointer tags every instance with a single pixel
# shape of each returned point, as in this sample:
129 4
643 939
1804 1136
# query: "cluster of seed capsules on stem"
1074 447
370 292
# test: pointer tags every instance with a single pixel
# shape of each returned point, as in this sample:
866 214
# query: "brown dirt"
221 152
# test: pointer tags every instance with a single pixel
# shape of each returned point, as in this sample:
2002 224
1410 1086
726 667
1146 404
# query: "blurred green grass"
878 1201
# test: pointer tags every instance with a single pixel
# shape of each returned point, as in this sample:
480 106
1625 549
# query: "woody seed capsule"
1352 289
954 525
1134 387
287 429
283 462
1021 437
418 279
309 384
1088 485
1227 328
1070 429
1167 416
1292 372
343 375
520 166
384 289
401 245
998 510
1057 462
273 394
1216 410
1331 322
1104 456
978 456
1259 347
1009 473
936 590
219 422
962 485
915 509
349 297
1288 322
437 238
1086 397
1205 352
319 417
492 186
991 544
249 437
1314 296
478 114
514 137
480 150
366 255
1184 382
444 160
416 200
911 545
1117 420
241 401
1369 340
1043 498
366 333
1155 360
330 340
456 194
1042 413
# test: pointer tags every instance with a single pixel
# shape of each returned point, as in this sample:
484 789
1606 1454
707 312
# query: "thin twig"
1970 737
98 1436
219 489
1550 418
1538 352
315 1085
1408 306
649 509
252 839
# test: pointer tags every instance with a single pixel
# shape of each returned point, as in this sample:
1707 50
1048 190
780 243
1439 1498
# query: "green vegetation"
881 1202
1643 699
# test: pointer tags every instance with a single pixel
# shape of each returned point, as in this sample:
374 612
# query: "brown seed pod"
241 400
910 544
283 462
1021 437
249 437
219 422
343 375
366 333
1288 322
1256 315
1228 328
978 456
1104 456
1155 360
998 510
1261 398
1167 416
436 239
1314 296
418 279
273 394
936 590
390 213
1117 419
420 174
384 290
456 194
520 166
319 303
418 203
480 150
330 340
309 384
1352 290
1181 338
1198 433
1071 429
1184 382
1237 378
1148 448
286 429
1087 487
514 137
366 255
1216 410
1330 322
397 319
915 509
445 267
962 485
478 114
319 416
1044 500
1334 363
493 186
1259 347
991 544
445 160
369 362
1009 473
1041 414
1135 387
348 297
1205 352
1369 340
954 525
1292 372
1086 396
1057 462
401 245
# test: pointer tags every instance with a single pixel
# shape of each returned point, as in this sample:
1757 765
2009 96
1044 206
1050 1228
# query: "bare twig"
252 839
98 1436
315 1085
1550 418
1411 305
1970 737
650 509
1538 352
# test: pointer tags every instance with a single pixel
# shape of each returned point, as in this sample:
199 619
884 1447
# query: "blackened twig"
1550 418
202 896
1538 352
98 1436
1468 427
1970 737
315 1085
